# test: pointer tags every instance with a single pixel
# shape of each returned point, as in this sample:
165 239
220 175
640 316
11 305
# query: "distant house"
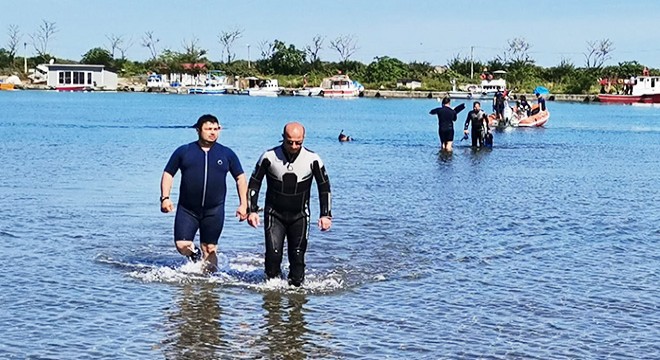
409 83
79 76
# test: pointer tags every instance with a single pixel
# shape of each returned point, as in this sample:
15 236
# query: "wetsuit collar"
290 157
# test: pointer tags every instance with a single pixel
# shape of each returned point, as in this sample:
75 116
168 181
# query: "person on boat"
645 72
478 119
498 104
204 165
342 137
289 169
540 101
446 118
524 107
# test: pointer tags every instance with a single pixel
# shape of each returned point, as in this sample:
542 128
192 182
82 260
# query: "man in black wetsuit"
479 121
446 117
289 170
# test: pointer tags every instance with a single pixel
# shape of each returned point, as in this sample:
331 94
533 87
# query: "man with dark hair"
204 165
540 100
479 121
289 170
446 117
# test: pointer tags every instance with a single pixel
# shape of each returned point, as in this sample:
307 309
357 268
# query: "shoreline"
368 93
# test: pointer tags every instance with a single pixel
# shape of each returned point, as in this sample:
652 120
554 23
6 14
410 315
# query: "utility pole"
248 46
25 58
471 62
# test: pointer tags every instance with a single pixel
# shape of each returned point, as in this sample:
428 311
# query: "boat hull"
340 92
537 120
470 95
207 91
629 99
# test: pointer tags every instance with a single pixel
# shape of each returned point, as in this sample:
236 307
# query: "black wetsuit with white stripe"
286 212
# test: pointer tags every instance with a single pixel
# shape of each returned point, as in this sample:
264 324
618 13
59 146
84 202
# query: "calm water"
545 247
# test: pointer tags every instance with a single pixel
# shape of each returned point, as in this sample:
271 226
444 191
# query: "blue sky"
422 30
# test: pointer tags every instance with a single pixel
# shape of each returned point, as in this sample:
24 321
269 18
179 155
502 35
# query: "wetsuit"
478 120
286 213
446 118
203 189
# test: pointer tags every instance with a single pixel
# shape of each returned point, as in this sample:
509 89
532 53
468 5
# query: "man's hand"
325 223
253 219
241 213
166 206
465 132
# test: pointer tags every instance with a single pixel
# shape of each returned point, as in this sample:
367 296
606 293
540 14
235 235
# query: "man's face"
476 107
209 132
293 140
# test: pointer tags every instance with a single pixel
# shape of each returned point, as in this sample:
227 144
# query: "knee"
210 249
184 247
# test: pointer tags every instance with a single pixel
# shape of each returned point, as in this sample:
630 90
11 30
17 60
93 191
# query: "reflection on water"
285 326
194 324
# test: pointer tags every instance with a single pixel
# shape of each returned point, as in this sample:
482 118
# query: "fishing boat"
340 86
641 89
214 83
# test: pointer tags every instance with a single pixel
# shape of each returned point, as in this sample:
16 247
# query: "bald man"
289 170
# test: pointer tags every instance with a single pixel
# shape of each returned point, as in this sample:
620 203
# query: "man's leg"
209 233
185 227
297 235
475 137
274 231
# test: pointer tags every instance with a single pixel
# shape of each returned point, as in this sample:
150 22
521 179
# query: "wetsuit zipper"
206 174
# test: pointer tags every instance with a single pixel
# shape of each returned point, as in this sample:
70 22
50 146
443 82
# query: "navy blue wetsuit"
203 189
446 118
286 214
479 122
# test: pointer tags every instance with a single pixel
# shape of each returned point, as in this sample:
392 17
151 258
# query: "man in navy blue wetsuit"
446 118
204 165
289 170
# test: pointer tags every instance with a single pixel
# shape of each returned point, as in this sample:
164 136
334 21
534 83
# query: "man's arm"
241 188
252 193
166 181
467 122
325 196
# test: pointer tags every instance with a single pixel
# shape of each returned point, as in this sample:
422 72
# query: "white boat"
156 82
340 86
308 91
215 83
267 87
490 84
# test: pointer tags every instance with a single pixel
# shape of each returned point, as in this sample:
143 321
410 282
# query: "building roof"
75 65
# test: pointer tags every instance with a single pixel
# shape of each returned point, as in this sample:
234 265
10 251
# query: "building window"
61 77
89 78
67 77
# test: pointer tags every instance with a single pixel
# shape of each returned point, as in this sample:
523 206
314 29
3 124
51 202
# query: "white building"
75 77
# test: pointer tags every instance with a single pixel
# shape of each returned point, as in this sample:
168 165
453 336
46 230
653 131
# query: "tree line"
293 66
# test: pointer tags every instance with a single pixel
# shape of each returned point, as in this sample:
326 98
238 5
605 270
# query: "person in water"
478 119
343 137
204 165
446 118
289 170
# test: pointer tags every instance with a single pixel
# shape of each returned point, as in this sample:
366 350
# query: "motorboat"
489 86
536 119
340 86
156 82
308 91
267 87
213 83
640 89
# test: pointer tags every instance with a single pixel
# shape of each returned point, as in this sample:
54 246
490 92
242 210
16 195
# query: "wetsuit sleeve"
485 119
434 111
467 121
255 183
323 183
175 161
235 167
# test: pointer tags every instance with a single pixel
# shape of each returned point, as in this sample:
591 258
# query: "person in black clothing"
479 121
289 170
446 117
540 100
524 105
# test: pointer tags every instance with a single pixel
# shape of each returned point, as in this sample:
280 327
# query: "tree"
226 40
150 42
14 40
287 60
42 37
97 56
517 52
123 48
384 69
345 45
464 66
115 43
597 53
266 49
313 50
193 53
